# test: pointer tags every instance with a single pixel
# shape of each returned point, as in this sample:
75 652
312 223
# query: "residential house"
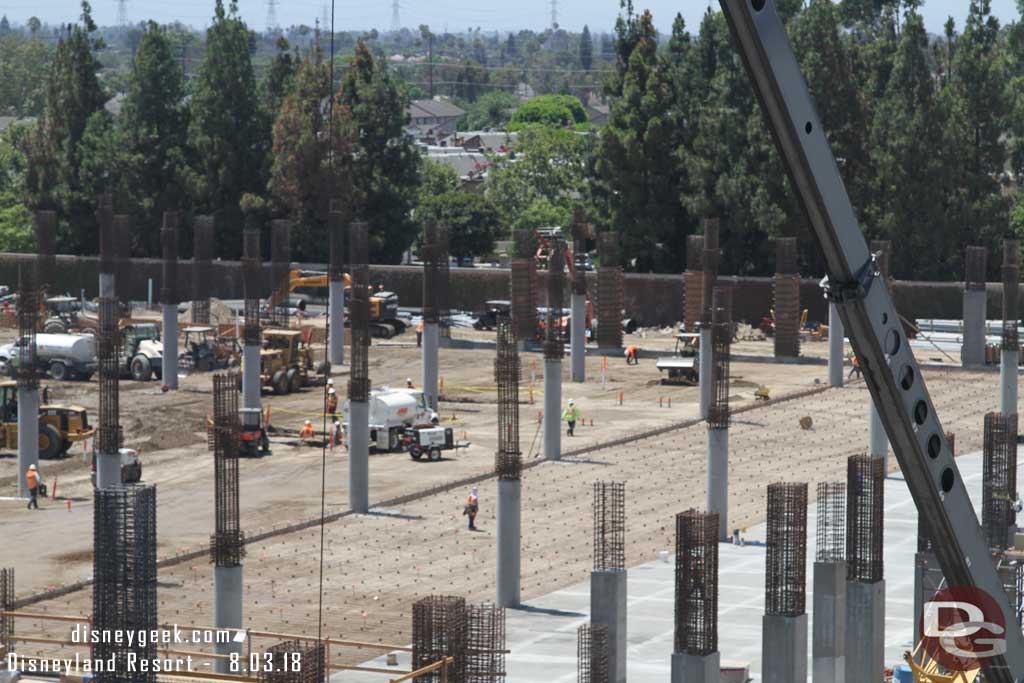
431 120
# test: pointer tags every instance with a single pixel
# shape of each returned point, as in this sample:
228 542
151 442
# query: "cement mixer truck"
391 412
61 356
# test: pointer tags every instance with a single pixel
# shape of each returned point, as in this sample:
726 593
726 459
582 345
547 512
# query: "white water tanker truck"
61 356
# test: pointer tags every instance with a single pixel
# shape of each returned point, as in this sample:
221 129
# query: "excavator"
384 320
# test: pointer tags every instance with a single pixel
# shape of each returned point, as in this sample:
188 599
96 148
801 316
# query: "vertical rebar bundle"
865 480
592 654
359 312
45 227
124 577
718 410
336 234
580 229
785 570
693 282
108 243
709 267
439 630
507 372
485 649
696 609
554 342
169 247
280 260
435 274
123 242
609 525
999 479
227 544
1011 294
28 323
975 263
831 525
293 661
202 267
524 311
108 361
786 288
251 281
610 293
6 605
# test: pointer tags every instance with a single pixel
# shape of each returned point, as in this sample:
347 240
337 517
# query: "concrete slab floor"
542 634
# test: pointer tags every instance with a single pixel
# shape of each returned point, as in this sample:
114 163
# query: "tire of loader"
294 380
50 441
279 382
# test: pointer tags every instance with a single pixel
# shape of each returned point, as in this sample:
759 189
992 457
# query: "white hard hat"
337 423
309 422
626 353
31 467
331 390
408 380
330 381
572 402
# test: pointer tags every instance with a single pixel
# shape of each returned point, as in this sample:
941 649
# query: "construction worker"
632 355
854 367
419 334
336 433
32 479
570 415
472 507
307 430
332 402
408 383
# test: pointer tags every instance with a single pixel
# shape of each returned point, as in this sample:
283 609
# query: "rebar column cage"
975 263
359 313
580 234
696 578
252 276
45 227
786 565
108 361
508 462
28 322
435 273
610 295
865 481
485 648
293 661
108 246
718 411
554 344
202 267
592 654
882 249
169 247
831 522
709 267
1011 295
123 242
336 235
6 605
280 259
609 526
227 544
999 479
786 294
124 577
693 282
524 307
439 630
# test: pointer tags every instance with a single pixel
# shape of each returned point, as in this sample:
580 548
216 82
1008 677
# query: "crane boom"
853 283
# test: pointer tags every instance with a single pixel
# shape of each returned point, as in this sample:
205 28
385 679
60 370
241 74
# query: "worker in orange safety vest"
632 355
32 479
332 401
307 430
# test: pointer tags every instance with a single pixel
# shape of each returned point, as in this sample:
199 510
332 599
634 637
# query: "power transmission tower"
396 22
271 15
122 12
554 14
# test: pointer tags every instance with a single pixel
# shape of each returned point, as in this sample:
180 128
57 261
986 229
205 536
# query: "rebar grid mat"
6 605
999 479
975 264
108 361
610 300
124 577
786 294
202 268
709 266
227 543
696 609
439 630
123 267
524 300
786 565
337 237
831 522
882 249
169 249
718 411
359 313
508 462
28 323
1011 295
45 228
785 256
592 654
554 347
609 526
293 661
485 649
865 481
280 260
105 220
435 273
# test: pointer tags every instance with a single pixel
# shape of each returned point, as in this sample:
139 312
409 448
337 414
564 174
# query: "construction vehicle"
252 435
204 350
130 465
493 311
142 352
392 411
384 321
286 361
60 314
60 426
684 366
61 356
428 440
855 285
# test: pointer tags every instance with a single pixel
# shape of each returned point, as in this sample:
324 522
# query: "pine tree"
280 76
586 49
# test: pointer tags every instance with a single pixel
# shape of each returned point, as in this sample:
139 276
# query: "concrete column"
359 456
835 347
251 376
336 333
509 540
696 669
718 478
706 385
578 338
608 608
973 351
878 442
227 611
783 648
431 341
865 632
552 408
1008 381
107 285
170 340
828 649
28 434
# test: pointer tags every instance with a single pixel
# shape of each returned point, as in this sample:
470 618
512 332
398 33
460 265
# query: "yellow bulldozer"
60 426
384 322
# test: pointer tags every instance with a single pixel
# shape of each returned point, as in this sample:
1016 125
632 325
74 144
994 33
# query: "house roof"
440 109
8 121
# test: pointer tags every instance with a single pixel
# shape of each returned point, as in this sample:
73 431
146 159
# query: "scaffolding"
831 522
865 480
439 630
592 654
169 246
507 372
227 544
1011 295
202 266
485 649
359 313
718 411
693 282
251 281
696 578
293 661
108 361
610 293
280 264
975 264
786 291
999 479
609 526
554 345
786 566
6 605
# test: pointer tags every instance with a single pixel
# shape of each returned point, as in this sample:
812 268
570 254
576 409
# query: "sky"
453 15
